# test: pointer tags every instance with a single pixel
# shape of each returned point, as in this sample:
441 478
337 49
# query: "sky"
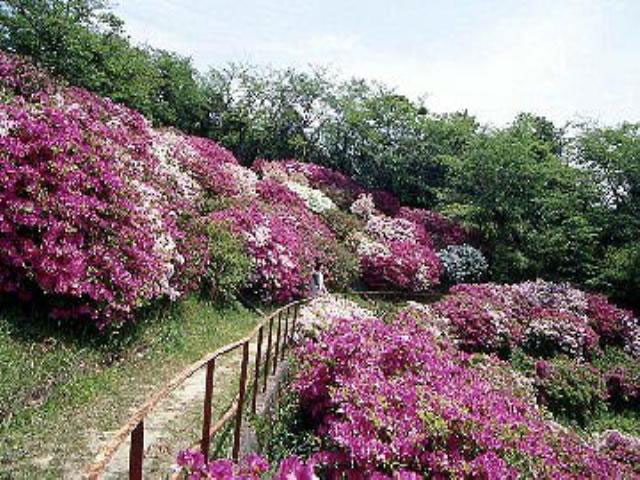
564 59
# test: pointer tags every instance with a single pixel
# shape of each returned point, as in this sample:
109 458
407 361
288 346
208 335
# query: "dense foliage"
391 398
103 214
556 203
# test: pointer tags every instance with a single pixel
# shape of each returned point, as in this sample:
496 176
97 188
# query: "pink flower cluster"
394 252
393 396
342 189
622 448
543 317
99 212
283 238
442 230
253 467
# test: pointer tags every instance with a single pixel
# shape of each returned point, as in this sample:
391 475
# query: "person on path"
317 281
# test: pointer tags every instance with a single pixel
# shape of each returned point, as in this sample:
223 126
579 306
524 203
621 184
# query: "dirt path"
176 421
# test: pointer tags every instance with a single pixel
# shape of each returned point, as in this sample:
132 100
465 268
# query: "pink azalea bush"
394 253
100 213
543 317
622 448
390 397
442 230
192 464
283 238
342 189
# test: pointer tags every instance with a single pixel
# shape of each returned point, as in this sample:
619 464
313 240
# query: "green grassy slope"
57 389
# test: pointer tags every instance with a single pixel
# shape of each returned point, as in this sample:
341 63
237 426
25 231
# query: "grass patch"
59 389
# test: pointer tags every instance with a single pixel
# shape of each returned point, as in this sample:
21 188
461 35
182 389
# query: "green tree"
83 42
265 112
532 208
612 157
387 141
177 96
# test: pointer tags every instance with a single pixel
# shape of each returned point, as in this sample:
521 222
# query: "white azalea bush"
364 206
315 200
323 311
463 263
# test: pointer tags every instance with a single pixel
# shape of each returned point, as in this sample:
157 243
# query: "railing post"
285 341
241 395
266 364
206 422
277 352
295 319
136 452
256 376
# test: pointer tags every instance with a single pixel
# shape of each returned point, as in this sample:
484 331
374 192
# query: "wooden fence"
276 329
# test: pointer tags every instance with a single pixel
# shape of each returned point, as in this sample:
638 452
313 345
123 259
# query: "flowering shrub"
621 374
391 397
283 238
572 390
552 332
315 200
443 231
345 226
276 248
543 317
101 214
396 253
341 189
614 325
253 467
274 193
620 447
328 309
364 206
480 318
463 263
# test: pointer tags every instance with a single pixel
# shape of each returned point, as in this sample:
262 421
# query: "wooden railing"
277 328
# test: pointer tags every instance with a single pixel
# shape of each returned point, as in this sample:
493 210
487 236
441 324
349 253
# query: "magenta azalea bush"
342 189
99 213
395 253
283 238
443 231
397 396
542 317
192 464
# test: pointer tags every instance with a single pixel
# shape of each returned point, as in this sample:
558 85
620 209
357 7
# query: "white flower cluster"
315 200
557 296
243 177
463 263
6 124
367 247
569 337
164 147
438 325
632 337
164 247
423 278
363 206
391 229
323 311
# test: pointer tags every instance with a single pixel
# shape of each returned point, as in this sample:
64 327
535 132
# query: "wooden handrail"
134 427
